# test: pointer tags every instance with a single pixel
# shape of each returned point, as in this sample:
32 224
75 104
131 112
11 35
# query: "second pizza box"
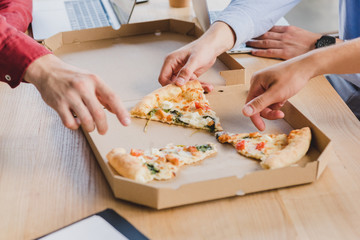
129 60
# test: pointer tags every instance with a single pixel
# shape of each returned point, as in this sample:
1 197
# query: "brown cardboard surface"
160 134
226 174
141 56
129 61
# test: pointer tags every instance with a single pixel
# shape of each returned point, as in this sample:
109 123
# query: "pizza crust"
191 85
128 166
152 100
298 144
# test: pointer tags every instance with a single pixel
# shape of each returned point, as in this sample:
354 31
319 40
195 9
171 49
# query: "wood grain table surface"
50 178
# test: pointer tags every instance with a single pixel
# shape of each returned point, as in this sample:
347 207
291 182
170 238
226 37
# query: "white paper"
92 228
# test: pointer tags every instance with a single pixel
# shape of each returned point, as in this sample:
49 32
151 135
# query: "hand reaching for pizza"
187 63
284 42
69 90
272 87
192 60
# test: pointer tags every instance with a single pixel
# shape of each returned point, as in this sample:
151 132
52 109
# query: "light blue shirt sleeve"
252 18
349 29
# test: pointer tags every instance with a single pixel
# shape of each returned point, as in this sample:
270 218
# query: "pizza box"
129 61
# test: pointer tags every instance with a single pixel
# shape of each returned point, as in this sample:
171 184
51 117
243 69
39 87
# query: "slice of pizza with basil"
157 163
185 106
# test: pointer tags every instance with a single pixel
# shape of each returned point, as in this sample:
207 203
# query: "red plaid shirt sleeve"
17 50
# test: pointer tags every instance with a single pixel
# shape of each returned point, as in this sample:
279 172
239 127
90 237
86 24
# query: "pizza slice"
157 163
185 106
274 150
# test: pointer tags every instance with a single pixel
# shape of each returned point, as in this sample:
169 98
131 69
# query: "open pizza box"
129 61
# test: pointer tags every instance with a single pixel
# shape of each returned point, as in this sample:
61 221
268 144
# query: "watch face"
325 41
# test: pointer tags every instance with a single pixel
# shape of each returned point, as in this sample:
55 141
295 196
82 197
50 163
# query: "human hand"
69 90
284 42
272 87
187 63
192 60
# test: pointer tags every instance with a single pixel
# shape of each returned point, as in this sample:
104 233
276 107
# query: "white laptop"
207 11
54 16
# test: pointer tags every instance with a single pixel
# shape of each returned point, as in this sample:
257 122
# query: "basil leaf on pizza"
157 163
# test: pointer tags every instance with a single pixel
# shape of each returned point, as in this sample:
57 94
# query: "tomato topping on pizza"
240 145
274 150
260 146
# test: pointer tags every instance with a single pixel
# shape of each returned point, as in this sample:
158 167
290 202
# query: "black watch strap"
325 41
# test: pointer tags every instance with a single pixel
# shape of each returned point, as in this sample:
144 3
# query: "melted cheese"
189 113
167 105
273 143
142 159
155 151
194 118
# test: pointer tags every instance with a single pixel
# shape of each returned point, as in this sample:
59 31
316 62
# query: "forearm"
17 52
219 38
342 58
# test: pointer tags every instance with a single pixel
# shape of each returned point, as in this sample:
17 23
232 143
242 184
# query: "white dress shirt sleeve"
252 18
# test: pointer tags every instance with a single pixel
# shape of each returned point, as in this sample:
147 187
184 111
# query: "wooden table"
49 177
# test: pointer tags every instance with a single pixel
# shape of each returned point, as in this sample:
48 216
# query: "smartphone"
240 49
141 1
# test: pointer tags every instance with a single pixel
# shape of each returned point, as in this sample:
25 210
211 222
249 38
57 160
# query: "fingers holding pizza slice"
273 150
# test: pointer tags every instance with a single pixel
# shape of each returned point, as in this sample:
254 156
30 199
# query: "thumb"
259 103
185 73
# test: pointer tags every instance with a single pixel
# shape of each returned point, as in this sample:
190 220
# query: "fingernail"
248 110
78 122
127 121
180 81
209 88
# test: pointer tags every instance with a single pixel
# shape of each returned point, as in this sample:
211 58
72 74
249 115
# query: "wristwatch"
324 41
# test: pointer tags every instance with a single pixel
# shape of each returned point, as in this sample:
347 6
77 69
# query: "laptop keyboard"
85 14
